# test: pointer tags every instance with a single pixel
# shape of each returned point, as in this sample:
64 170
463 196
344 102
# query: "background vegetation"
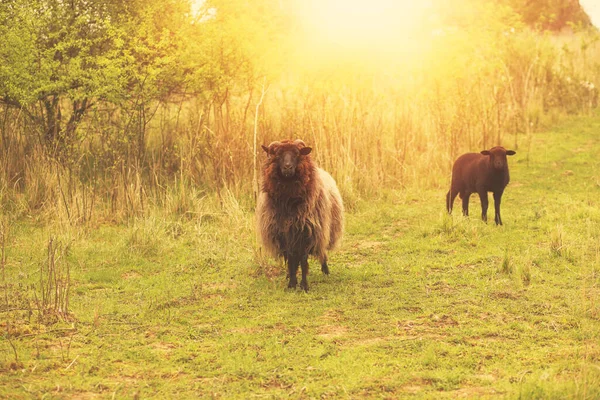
110 108
128 137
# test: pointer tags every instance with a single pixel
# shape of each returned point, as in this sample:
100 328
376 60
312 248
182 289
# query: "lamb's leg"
324 267
293 262
497 198
450 196
304 265
483 196
465 201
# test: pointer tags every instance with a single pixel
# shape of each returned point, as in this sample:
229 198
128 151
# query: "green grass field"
418 304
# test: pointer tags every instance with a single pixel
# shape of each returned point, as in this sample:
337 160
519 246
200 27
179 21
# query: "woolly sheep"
299 209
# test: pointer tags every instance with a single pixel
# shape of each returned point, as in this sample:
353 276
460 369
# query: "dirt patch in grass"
275 383
85 396
416 385
254 330
164 346
441 287
131 275
430 321
366 245
475 393
505 295
375 341
330 332
411 388
332 315
443 320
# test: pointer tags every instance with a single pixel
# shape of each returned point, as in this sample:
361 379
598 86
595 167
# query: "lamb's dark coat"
480 173
300 215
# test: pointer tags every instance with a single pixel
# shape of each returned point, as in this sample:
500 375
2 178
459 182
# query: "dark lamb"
480 173
299 212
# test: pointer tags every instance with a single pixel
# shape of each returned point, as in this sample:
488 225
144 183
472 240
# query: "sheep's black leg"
483 196
293 262
450 196
465 200
284 253
304 265
285 260
497 198
324 267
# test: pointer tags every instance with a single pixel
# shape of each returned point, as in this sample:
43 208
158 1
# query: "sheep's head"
498 156
287 154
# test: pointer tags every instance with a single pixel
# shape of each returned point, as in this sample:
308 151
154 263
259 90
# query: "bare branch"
255 174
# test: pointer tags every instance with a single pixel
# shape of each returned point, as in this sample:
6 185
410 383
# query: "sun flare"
364 23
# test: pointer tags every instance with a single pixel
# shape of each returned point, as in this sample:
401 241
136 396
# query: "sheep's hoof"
325 269
291 286
304 286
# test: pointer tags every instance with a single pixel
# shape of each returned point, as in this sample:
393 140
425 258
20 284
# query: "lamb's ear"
305 151
485 153
265 148
510 152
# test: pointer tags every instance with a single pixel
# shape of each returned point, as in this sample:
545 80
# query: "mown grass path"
418 304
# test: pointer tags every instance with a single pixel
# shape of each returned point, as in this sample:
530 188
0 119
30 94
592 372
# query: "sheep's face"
287 155
498 156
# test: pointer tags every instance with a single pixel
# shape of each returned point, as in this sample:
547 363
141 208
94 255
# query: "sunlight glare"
365 23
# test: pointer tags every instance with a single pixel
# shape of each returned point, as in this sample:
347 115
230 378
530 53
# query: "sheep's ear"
510 152
485 153
265 148
305 150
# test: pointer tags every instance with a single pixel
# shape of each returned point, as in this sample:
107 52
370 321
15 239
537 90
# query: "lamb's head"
286 155
498 156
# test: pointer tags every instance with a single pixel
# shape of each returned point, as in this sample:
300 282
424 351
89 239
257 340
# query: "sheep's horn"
299 141
275 143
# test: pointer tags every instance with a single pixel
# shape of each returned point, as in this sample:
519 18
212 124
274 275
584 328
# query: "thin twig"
50 331
72 362
254 172
4 228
